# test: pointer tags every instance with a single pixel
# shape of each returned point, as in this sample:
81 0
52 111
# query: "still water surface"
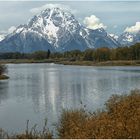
38 91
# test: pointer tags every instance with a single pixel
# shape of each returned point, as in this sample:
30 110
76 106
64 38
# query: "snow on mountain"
55 29
98 38
59 27
2 37
131 35
114 36
128 39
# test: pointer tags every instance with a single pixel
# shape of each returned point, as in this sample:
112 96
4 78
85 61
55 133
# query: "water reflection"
3 90
36 91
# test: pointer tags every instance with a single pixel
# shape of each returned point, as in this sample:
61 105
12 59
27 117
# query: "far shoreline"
77 62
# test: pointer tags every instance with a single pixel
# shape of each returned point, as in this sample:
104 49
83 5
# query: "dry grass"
33 133
121 119
105 63
77 62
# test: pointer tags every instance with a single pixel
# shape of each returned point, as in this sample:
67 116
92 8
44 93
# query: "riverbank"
105 63
3 77
119 120
78 62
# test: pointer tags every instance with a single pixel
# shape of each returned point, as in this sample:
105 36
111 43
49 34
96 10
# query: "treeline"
103 54
38 55
99 54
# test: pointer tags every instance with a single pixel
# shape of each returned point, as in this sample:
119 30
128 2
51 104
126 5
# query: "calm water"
37 91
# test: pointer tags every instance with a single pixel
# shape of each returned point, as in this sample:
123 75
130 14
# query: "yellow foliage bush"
120 119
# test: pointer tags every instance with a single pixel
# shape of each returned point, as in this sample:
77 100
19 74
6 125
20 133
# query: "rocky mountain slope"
58 30
128 39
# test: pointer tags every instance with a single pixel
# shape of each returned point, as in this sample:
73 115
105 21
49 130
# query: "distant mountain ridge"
128 39
58 30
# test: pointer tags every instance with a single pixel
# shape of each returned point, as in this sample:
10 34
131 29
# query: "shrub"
72 124
121 119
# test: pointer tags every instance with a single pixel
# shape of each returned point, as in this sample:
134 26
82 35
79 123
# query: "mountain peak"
55 10
57 29
55 24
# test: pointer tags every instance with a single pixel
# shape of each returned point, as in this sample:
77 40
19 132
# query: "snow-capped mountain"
55 29
98 38
128 39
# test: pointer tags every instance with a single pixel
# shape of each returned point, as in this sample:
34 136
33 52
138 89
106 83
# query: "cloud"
39 9
93 22
11 29
3 32
133 29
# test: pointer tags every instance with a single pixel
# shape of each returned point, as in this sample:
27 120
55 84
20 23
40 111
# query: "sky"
114 16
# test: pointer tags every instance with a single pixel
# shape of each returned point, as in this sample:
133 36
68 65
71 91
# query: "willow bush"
120 119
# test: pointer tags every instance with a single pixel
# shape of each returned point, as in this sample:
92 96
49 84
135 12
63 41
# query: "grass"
33 133
119 120
77 62
105 63
19 61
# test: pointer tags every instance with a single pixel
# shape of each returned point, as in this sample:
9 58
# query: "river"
38 91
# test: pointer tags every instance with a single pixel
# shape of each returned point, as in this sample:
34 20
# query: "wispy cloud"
10 30
93 22
43 7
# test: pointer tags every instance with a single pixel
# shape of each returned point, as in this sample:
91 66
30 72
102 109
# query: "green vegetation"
40 55
119 119
3 69
96 55
100 56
